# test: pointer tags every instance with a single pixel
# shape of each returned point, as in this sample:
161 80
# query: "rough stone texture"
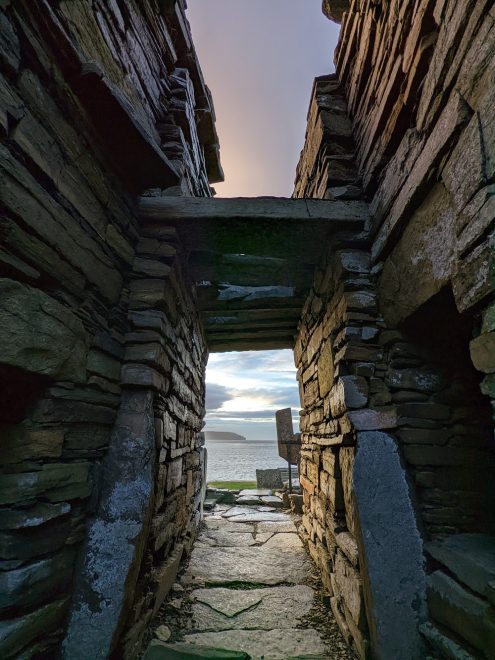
256 609
269 644
221 565
470 557
115 535
98 105
394 571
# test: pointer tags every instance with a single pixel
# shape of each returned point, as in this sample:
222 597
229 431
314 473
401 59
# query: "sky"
259 58
243 391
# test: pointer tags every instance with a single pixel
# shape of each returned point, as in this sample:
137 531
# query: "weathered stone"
248 500
444 644
52 477
160 651
263 609
40 335
474 277
348 392
348 545
458 610
348 585
370 420
276 644
20 444
393 572
165 575
421 380
163 633
483 352
219 566
114 542
16 634
32 516
470 557
283 540
325 369
34 583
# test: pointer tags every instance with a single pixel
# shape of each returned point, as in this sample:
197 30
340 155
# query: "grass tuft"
232 485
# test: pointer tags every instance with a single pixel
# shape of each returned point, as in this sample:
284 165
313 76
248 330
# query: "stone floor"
251 588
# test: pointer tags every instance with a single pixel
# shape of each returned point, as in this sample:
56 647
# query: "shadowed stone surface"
267 644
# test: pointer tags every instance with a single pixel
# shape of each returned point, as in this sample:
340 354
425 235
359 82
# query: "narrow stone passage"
251 588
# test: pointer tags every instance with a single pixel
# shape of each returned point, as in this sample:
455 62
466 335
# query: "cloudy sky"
259 58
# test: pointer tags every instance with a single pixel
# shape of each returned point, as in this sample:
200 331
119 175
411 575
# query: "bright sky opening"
259 58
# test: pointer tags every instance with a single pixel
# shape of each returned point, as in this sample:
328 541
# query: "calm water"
240 460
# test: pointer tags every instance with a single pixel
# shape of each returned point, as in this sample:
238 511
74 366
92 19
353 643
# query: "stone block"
474 278
103 365
52 477
330 462
482 351
18 443
393 571
35 583
140 375
39 335
349 587
470 557
349 392
164 576
427 410
325 368
16 634
368 419
466 615
448 647
347 543
417 379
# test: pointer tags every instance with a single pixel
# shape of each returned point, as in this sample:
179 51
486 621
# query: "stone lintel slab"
390 548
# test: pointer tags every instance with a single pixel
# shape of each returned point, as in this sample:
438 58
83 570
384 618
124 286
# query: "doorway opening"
243 392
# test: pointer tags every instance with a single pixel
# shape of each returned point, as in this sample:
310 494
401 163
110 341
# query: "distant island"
223 435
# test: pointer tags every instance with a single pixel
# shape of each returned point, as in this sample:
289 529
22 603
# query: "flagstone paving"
249 588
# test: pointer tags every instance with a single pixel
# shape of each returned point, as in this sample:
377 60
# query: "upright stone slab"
391 549
116 534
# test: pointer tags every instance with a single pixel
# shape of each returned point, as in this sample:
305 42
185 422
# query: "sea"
230 460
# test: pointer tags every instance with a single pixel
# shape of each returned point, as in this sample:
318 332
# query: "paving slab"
274 527
278 644
285 540
227 538
244 514
227 526
260 492
273 500
252 565
248 500
228 609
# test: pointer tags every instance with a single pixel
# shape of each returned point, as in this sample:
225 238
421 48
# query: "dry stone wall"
407 383
102 351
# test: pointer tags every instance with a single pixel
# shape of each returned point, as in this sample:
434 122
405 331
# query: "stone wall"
101 344
393 340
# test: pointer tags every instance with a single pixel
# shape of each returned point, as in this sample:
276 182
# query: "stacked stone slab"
417 83
91 93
